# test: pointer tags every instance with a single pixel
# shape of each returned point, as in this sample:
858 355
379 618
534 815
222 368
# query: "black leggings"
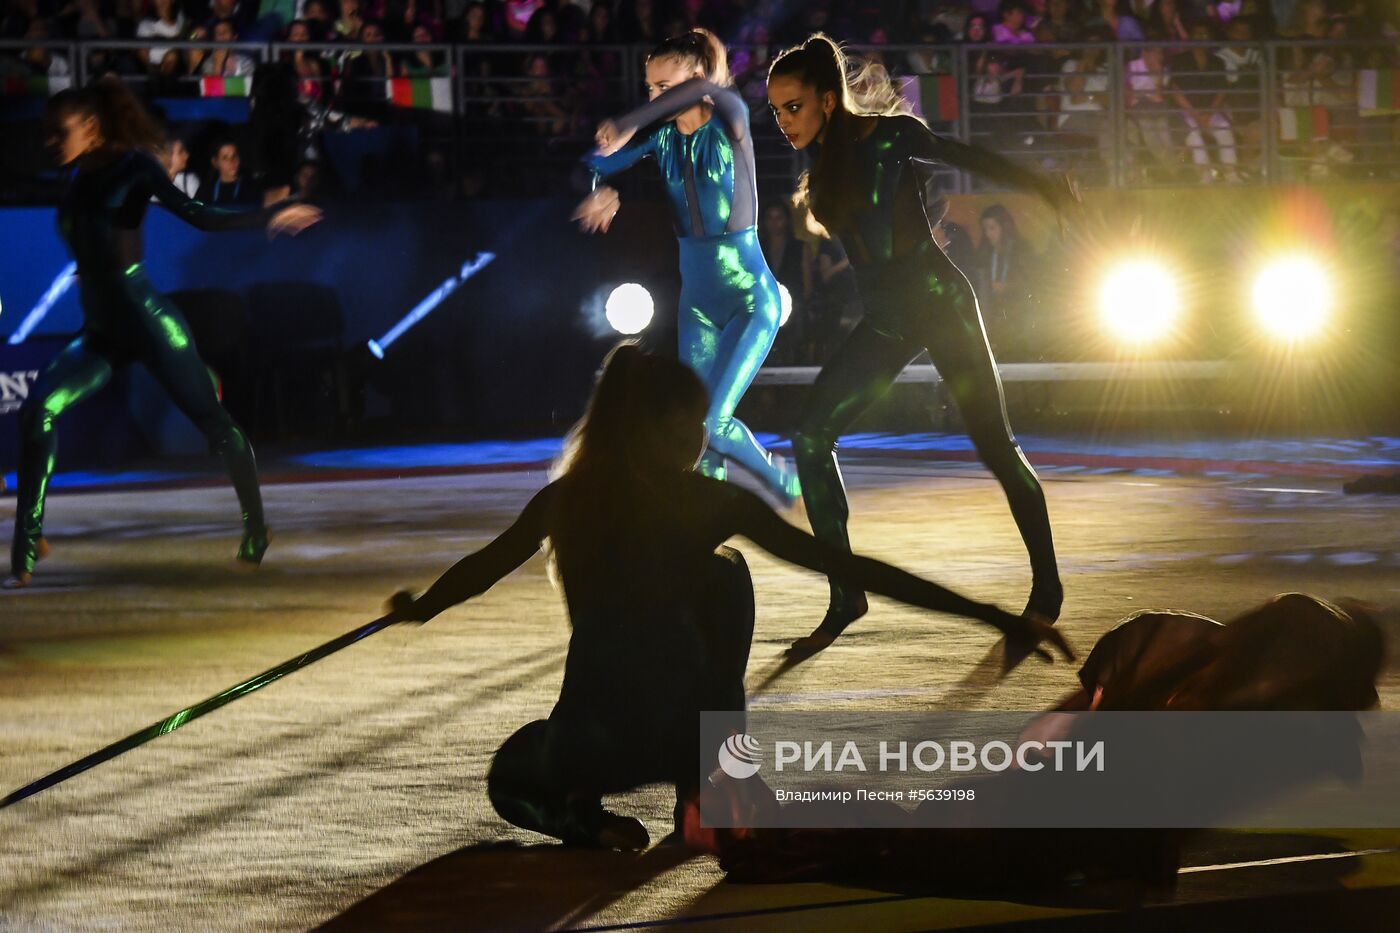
159 338
551 774
927 305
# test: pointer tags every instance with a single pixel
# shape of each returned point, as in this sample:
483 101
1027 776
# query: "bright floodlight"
1138 300
785 298
629 308
1292 297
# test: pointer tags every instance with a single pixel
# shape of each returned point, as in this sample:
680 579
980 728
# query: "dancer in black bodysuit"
104 132
865 188
662 614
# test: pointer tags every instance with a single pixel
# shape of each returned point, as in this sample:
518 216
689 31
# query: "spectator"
424 62
1003 273
1150 106
1164 18
1012 28
42 62
228 185
1062 22
350 22
785 253
540 103
1118 17
363 74
1198 92
221 61
225 9
638 22
475 25
319 23
601 30
90 23
1084 87
177 164
543 27
1242 102
164 22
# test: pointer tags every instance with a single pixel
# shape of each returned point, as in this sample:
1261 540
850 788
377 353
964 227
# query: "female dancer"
865 188
729 303
103 131
662 615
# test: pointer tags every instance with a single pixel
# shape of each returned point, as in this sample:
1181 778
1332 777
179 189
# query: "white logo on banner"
740 757
14 389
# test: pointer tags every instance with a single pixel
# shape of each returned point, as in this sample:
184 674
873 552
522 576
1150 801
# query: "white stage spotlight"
629 308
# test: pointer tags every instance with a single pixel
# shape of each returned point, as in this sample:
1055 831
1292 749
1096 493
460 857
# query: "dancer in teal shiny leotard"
103 132
730 307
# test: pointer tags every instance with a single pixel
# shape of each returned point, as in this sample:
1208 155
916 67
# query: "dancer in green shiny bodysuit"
865 188
730 308
103 131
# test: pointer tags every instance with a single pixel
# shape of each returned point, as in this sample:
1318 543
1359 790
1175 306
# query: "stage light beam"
1139 301
1292 297
629 308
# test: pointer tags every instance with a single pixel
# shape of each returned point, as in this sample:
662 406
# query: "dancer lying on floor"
662 613
1294 652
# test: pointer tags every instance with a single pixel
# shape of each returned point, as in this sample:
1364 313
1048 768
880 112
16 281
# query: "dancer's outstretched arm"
754 520
1057 190
282 217
730 108
478 572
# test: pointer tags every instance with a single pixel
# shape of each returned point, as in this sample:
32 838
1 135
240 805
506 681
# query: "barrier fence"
1116 115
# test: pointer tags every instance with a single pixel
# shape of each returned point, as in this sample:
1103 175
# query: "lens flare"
629 308
1139 301
1292 297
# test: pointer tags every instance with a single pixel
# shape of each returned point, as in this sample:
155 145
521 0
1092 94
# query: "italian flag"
224 87
1302 124
421 93
933 97
1378 93
20 86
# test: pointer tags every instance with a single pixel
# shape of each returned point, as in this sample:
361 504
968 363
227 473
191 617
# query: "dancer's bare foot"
838 618
1026 640
1045 603
252 548
18 581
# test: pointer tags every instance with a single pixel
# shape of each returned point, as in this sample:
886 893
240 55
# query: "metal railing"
1259 112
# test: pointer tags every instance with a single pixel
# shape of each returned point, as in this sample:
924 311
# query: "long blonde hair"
699 48
622 458
863 90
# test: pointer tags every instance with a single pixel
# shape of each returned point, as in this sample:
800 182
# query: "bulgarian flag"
1378 93
225 87
21 86
421 93
1302 124
933 97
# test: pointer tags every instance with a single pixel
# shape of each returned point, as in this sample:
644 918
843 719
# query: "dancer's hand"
293 219
595 213
610 138
1027 632
405 607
